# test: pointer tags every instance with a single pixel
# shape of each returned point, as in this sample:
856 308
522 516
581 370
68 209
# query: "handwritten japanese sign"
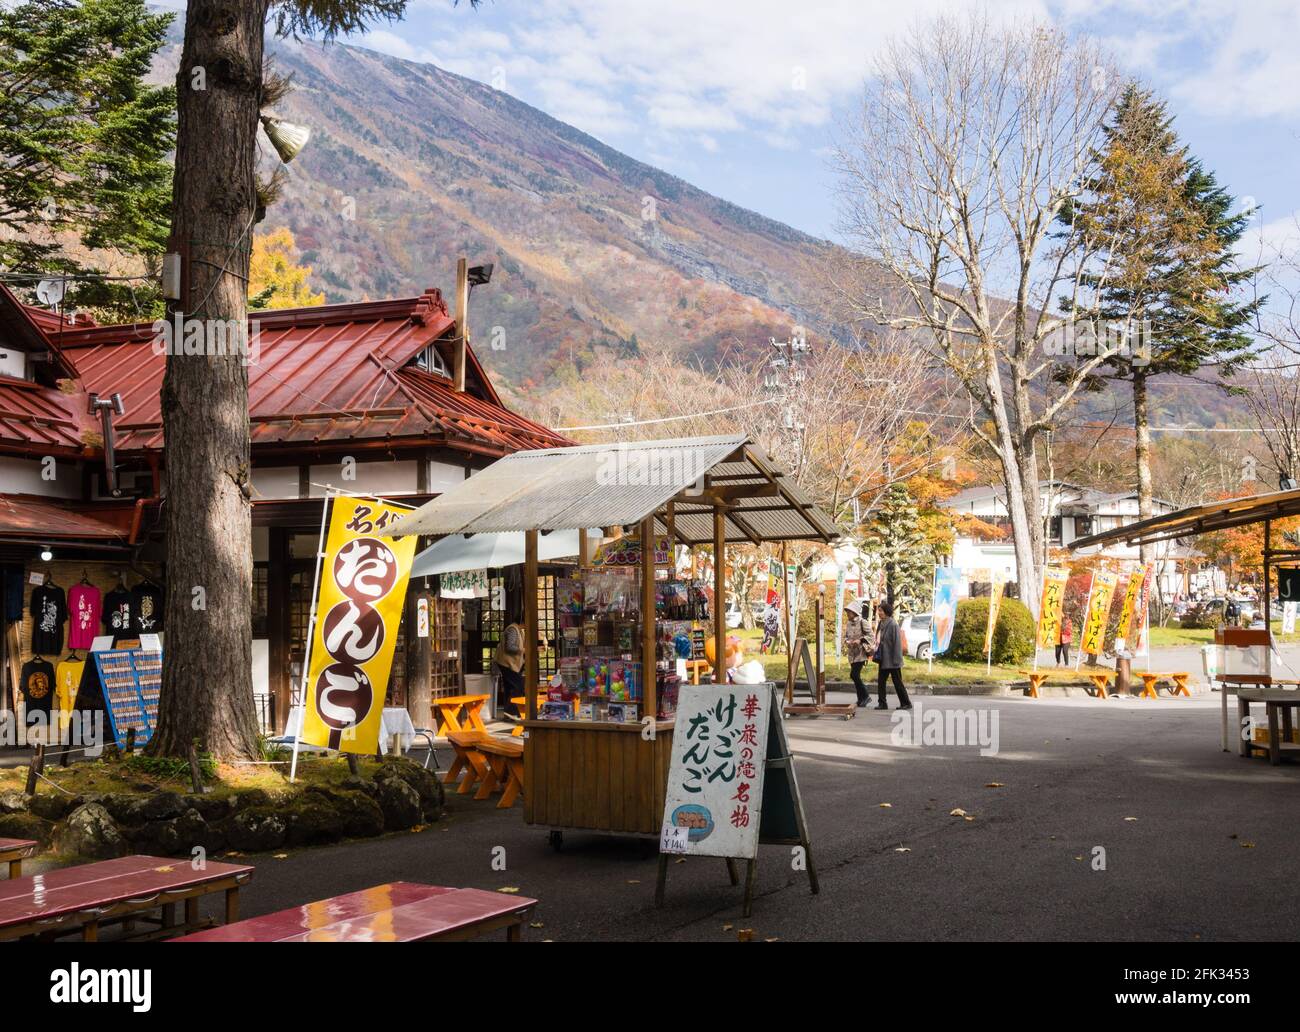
715 781
1050 608
1099 599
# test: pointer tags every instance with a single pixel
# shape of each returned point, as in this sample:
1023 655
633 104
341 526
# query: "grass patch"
142 775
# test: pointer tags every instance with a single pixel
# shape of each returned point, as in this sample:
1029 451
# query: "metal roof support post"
719 595
531 666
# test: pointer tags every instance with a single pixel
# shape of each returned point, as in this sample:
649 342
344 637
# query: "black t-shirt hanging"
146 608
117 611
37 684
49 611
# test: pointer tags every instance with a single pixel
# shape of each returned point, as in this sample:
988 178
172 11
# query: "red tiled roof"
31 516
331 373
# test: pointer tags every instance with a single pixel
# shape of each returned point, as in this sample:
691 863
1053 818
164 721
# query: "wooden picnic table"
15 851
454 712
1100 679
1278 703
520 703
83 898
396 912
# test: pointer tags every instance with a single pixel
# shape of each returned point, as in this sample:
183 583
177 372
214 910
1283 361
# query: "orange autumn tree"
1240 550
275 279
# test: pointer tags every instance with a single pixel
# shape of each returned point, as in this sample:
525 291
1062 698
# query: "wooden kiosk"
599 775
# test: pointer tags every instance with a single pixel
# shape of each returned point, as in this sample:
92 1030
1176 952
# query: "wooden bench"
15 851
85 897
1178 682
505 761
396 912
469 761
1037 678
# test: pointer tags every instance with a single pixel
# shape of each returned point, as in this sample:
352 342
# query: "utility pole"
783 379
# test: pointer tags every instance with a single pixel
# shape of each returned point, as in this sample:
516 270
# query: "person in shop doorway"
857 647
509 660
1063 639
889 655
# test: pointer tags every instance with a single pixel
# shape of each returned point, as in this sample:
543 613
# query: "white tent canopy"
457 553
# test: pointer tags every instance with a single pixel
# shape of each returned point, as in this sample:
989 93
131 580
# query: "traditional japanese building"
380 397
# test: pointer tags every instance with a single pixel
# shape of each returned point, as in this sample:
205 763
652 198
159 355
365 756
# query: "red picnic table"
14 851
82 898
395 912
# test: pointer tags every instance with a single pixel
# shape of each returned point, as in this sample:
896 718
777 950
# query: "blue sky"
743 97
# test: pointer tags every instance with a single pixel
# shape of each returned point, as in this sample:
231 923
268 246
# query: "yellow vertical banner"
1143 614
1132 594
1094 626
1051 607
359 606
995 606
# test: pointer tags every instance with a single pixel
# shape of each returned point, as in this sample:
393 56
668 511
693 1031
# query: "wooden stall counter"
596 776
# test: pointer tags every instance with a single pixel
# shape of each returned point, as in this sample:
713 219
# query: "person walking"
858 647
1063 639
889 654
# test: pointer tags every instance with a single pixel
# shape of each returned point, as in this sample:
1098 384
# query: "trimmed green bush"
1013 637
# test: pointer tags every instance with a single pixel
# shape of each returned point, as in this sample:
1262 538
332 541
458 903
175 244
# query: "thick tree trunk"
1142 450
207 692
1009 454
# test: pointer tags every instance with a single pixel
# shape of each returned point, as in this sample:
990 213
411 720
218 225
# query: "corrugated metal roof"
44 417
330 373
29 516
620 484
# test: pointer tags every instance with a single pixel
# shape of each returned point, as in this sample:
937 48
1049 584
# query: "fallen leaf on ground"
536 924
509 889
634 881
727 928
1130 818
995 784
745 935
958 812
901 849
1247 845
886 806
280 856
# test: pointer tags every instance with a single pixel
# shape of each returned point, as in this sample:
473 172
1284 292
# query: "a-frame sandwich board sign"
731 783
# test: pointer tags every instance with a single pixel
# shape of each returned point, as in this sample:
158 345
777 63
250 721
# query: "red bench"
396 912
14 851
82 898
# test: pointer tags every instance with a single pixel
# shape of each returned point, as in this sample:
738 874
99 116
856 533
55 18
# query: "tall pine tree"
84 142
1161 262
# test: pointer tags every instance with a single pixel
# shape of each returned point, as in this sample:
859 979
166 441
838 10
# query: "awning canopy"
1199 519
604 485
457 553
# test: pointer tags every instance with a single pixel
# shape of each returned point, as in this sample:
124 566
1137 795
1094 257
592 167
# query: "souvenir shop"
628 627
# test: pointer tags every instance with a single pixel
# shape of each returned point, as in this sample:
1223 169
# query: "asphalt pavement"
1092 820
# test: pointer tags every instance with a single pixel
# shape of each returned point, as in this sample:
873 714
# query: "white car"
916 632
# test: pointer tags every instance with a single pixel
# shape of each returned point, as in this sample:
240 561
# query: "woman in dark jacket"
889 654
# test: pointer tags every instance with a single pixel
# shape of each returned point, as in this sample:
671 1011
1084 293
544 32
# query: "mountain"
596 255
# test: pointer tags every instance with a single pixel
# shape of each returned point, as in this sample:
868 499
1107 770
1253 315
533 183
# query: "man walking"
889 654
857 647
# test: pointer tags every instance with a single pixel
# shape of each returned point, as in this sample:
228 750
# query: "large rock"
13 802
357 814
54 806
26 826
430 790
90 832
257 829
254 798
211 808
160 806
399 802
312 821
175 837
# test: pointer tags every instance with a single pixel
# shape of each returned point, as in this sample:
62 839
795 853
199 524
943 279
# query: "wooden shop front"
598 733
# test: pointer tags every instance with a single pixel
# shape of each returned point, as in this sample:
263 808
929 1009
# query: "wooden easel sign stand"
731 783
812 704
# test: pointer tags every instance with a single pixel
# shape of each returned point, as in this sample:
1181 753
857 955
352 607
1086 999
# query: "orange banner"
1129 606
1051 607
1094 627
995 606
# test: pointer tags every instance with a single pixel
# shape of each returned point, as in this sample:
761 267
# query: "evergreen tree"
1161 265
84 141
896 541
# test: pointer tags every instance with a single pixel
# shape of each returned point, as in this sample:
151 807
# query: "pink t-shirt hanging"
84 603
